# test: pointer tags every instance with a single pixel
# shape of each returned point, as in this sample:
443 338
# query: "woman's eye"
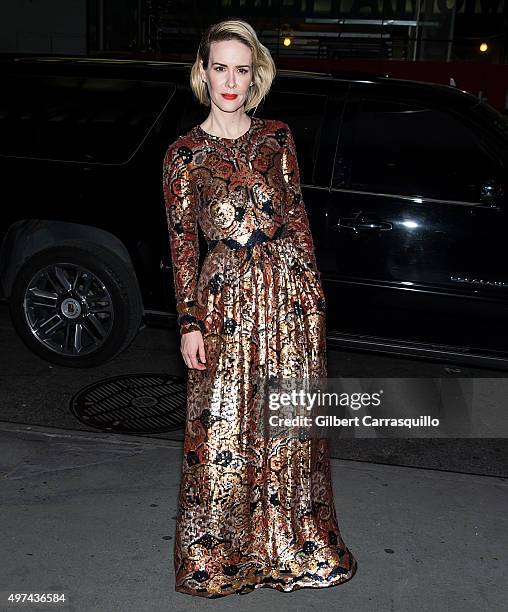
242 70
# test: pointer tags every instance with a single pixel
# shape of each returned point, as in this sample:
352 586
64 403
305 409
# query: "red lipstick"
229 96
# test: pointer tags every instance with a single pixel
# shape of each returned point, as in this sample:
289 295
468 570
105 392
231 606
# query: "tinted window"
493 116
409 149
78 118
304 114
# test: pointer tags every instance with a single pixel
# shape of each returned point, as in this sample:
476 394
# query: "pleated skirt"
255 511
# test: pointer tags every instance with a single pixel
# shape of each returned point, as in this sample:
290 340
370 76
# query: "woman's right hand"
192 347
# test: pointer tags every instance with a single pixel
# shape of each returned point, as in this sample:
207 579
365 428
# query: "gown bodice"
233 189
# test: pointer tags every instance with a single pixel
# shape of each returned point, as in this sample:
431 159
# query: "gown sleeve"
181 213
295 216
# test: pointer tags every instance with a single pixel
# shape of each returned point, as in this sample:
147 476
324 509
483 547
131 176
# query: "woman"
253 511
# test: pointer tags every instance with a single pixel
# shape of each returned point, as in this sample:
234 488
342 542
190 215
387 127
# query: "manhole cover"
139 403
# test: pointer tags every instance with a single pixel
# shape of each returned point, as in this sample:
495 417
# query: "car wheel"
76 305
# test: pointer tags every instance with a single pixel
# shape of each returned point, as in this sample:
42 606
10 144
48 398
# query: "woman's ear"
202 70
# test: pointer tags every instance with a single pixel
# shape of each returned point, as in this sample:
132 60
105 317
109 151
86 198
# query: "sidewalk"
92 515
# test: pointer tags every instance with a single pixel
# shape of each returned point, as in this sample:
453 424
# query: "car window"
78 118
496 118
304 113
410 149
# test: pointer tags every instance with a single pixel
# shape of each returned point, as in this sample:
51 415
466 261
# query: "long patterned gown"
252 511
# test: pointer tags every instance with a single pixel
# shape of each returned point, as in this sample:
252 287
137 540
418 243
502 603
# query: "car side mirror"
492 192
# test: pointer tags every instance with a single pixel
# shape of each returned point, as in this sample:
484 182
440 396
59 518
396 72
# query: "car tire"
65 295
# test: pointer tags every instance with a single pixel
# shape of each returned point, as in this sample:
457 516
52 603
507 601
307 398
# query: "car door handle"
362 223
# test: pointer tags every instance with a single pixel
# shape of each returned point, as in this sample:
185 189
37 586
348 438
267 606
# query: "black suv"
404 183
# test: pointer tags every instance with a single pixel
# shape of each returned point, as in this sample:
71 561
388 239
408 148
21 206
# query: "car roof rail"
95 60
297 72
358 74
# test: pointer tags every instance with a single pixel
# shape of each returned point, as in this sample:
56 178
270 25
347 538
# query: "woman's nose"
231 81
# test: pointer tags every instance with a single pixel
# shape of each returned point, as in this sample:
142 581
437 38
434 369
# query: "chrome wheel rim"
68 309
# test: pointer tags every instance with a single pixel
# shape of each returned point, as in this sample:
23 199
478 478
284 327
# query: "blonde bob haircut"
263 66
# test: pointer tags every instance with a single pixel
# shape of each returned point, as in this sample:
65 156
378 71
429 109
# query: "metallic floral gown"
252 511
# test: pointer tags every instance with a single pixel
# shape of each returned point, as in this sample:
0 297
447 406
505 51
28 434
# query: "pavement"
92 516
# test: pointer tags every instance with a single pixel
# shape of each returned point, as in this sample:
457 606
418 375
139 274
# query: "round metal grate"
135 403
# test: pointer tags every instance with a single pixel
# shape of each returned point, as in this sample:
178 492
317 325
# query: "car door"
307 105
415 242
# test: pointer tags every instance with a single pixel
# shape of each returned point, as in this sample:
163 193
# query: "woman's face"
229 72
